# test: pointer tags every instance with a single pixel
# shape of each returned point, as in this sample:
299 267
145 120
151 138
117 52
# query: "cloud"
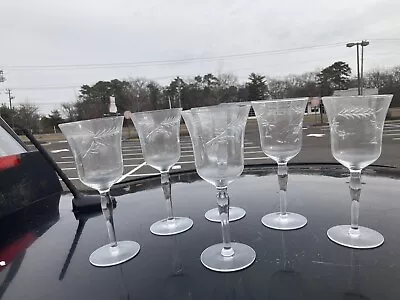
45 32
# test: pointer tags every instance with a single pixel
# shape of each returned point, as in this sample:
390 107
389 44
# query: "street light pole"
363 44
360 77
358 70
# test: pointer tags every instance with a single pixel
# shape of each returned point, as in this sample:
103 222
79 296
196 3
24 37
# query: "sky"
49 48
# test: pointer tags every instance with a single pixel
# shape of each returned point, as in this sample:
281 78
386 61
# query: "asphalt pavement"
315 149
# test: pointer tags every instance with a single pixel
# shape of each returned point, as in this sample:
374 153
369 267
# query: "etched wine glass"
235 213
356 127
96 147
217 134
158 132
280 123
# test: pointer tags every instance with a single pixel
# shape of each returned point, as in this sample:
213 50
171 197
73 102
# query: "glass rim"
155 111
219 106
381 97
88 120
280 100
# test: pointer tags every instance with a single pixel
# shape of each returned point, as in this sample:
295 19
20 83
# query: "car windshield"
71 61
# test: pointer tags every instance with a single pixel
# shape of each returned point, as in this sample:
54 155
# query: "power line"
386 40
46 88
160 77
166 62
75 87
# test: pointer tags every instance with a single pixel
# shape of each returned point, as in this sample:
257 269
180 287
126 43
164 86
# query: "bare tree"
27 115
68 110
227 80
139 94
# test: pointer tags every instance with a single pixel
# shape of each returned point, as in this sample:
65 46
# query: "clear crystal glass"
280 123
235 213
96 147
217 134
158 132
356 127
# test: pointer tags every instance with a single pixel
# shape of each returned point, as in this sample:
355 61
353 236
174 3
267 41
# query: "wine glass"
96 147
235 213
217 134
280 123
158 132
356 127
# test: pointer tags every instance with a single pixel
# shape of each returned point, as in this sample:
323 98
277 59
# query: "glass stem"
107 208
283 181
166 186
223 208
355 192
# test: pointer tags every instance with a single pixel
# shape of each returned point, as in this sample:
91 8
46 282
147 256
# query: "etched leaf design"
99 140
164 128
356 115
353 112
282 128
235 128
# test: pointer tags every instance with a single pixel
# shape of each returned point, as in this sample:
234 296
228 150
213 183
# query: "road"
316 148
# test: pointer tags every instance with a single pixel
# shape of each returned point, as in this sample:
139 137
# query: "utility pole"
2 78
10 97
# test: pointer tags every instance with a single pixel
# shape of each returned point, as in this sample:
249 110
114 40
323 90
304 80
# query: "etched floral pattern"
165 128
99 141
282 124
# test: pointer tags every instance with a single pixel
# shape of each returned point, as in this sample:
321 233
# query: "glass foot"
170 227
108 256
235 213
365 238
289 221
243 257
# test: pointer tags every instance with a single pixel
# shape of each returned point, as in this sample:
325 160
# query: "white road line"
255 158
130 147
317 135
396 139
72 178
60 150
132 154
391 130
191 155
132 150
131 172
391 134
65 162
139 175
134 158
74 168
67 157
253 152
252 147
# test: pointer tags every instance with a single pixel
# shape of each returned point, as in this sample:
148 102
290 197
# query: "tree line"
141 94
